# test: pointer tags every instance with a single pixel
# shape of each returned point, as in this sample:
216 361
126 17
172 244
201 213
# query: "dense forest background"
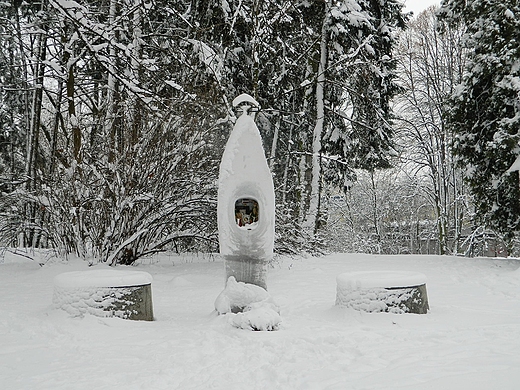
385 133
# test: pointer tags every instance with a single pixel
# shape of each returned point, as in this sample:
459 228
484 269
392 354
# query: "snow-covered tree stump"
105 293
383 291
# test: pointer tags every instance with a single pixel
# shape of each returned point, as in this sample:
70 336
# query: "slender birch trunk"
274 144
111 109
311 223
71 106
289 156
286 168
304 168
29 236
135 105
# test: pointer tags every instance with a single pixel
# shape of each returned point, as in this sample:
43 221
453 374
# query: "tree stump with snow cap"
105 293
383 291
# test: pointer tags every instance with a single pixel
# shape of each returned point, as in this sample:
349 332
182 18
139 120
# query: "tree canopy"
485 110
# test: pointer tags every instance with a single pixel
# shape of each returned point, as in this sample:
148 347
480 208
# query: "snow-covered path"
470 339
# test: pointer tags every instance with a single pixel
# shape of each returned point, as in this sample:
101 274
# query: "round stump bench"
383 291
105 293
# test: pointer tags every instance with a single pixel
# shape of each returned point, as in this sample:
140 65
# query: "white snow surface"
383 278
470 338
106 277
239 295
260 316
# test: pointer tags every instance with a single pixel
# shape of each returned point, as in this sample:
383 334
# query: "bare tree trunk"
274 144
32 142
135 104
287 162
55 126
311 223
375 209
73 120
36 108
111 101
430 72
255 47
304 174
24 70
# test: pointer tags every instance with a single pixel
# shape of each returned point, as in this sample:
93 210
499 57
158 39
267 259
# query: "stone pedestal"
105 293
383 291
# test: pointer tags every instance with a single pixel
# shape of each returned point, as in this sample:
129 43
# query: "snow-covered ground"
470 339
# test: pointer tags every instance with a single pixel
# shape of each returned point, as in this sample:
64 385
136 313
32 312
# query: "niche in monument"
246 212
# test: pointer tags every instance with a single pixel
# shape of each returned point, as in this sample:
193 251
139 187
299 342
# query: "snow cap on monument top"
245 98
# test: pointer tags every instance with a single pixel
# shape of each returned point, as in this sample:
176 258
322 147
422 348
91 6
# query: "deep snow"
470 339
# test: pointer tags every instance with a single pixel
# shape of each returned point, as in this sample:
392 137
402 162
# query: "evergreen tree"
359 83
485 109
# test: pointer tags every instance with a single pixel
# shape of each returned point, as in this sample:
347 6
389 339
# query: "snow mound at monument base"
260 316
248 306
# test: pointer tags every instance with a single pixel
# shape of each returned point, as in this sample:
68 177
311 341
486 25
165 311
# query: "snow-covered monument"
246 205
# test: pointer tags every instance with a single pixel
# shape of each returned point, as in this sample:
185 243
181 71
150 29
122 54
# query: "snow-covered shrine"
246 205
245 213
